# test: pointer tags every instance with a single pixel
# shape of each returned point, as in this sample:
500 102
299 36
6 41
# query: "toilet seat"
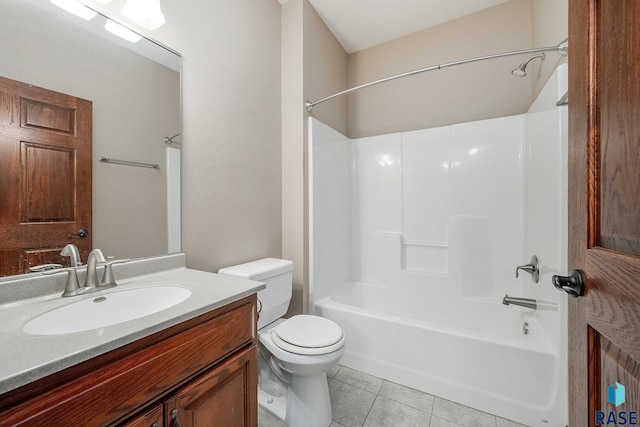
305 334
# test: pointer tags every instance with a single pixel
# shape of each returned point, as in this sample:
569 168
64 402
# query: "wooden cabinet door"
45 175
604 211
226 396
151 418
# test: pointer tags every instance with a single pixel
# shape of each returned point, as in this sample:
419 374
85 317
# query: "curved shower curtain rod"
561 49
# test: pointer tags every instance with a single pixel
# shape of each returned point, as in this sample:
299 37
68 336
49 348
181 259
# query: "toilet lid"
304 334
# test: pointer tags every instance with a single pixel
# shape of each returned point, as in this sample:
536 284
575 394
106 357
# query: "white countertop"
26 358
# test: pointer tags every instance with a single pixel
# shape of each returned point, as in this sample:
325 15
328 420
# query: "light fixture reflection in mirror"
122 31
136 105
144 12
76 8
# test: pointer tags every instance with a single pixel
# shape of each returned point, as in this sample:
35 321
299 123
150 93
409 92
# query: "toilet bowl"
295 353
308 402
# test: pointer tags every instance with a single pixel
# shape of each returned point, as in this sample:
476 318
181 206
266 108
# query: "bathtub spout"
522 302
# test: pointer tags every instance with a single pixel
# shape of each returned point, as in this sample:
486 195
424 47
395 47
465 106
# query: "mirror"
135 93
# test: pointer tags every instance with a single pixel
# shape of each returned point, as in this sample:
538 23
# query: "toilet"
295 353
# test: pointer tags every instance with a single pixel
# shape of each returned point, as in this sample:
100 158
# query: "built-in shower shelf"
425 257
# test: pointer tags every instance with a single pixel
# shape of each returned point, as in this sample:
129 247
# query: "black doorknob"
573 284
82 233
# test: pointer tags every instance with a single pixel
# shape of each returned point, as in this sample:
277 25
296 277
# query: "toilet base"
302 391
275 406
291 408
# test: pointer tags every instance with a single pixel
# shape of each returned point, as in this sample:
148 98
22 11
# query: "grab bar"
103 159
522 302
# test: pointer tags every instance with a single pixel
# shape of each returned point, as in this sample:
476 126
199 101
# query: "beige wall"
453 95
325 70
231 150
471 92
231 139
550 20
293 148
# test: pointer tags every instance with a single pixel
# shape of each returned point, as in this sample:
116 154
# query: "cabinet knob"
174 418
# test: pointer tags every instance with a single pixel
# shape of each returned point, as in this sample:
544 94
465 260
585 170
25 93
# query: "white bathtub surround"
414 241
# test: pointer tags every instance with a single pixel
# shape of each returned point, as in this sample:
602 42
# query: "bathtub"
471 351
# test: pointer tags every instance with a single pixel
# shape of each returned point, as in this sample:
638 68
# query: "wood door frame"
580 130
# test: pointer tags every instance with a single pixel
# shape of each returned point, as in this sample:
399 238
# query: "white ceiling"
359 24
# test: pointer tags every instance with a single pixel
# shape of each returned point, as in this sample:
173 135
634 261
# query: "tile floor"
362 400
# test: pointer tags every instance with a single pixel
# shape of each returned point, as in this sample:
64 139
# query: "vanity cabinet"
150 418
201 372
218 398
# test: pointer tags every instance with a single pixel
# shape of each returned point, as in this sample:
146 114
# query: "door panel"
42 115
45 199
619 111
604 208
225 396
45 175
618 367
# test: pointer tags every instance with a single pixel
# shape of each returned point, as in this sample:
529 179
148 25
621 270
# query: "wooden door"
225 396
604 211
45 175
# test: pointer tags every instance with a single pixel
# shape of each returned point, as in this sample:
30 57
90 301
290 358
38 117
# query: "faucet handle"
72 287
526 267
532 268
45 267
108 279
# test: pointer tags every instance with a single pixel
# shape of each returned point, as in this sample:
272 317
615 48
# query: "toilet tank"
277 274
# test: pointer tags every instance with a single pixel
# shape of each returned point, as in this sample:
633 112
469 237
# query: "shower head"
521 70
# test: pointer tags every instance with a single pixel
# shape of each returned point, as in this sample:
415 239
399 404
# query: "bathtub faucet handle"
532 268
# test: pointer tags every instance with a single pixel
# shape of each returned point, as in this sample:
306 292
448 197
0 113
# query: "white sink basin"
105 310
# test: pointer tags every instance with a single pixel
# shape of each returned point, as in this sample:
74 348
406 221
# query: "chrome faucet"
95 256
72 252
92 283
532 268
108 281
522 302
